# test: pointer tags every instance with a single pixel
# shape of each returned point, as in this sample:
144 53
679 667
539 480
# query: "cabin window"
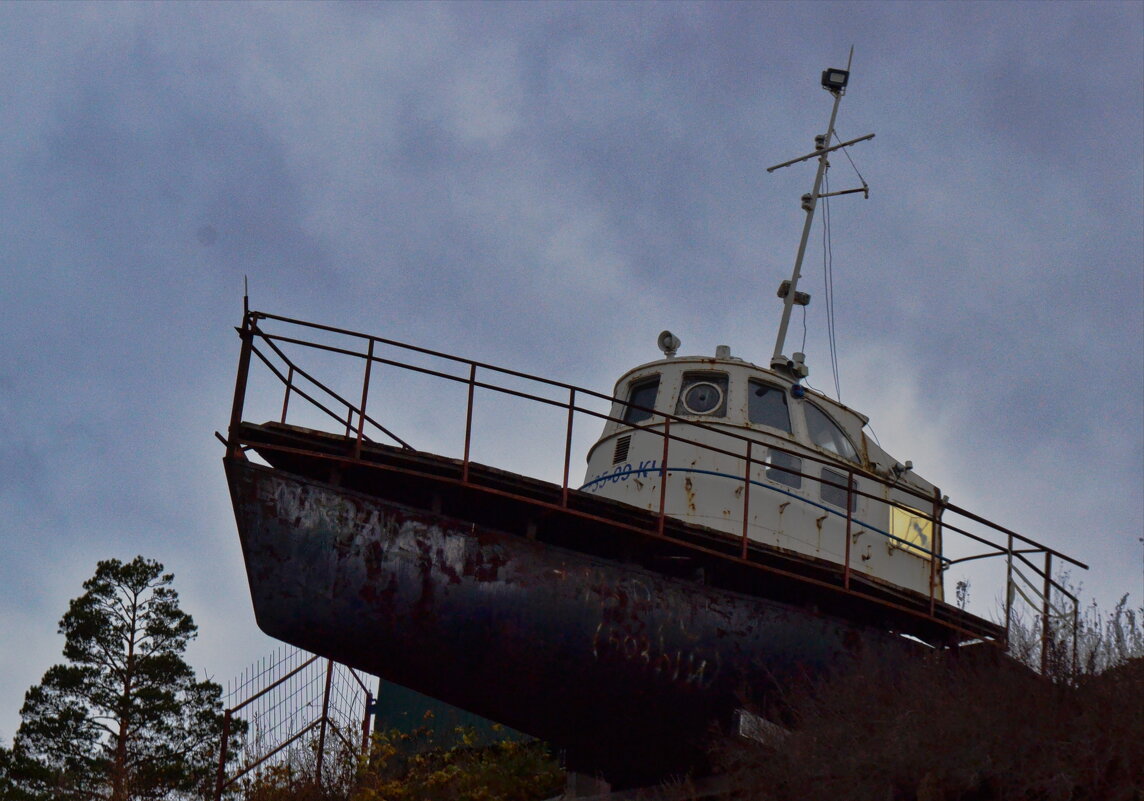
834 492
826 434
703 393
777 461
767 405
642 393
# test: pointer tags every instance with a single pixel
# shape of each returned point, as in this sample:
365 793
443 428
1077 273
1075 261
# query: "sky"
546 186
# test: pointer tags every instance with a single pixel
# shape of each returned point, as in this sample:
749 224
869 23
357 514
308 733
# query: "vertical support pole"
1008 588
246 333
1045 629
365 723
746 500
220 777
934 549
849 526
469 422
1076 622
568 446
364 397
663 475
286 394
325 718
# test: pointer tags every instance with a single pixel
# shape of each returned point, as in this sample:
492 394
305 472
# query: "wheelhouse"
748 449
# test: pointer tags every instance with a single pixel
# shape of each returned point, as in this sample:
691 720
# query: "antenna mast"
833 81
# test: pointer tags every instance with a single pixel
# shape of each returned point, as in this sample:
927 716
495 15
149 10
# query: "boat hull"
627 670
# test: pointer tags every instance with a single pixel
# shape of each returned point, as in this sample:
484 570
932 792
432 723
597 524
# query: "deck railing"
284 347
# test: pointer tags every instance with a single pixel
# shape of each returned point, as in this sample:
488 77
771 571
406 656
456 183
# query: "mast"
834 81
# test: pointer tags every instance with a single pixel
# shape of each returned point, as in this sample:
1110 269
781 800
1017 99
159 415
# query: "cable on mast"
828 280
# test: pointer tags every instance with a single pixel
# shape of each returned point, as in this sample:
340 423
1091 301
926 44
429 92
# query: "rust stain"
689 490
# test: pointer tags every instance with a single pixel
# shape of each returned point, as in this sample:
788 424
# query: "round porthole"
702 398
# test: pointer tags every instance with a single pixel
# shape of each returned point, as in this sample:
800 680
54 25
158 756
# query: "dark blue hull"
624 659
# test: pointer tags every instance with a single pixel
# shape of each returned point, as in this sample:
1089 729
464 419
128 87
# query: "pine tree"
124 719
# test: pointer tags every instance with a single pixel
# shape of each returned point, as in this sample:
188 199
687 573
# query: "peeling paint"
525 633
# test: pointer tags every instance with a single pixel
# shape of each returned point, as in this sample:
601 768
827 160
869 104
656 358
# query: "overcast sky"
547 186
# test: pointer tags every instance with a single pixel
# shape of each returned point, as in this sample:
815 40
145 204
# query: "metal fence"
299 708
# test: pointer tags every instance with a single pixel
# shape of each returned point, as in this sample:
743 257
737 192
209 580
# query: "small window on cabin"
703 394
642 394
833 490
777 461
767 405
825 433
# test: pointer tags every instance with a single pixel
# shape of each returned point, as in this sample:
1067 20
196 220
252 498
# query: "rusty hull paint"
622 667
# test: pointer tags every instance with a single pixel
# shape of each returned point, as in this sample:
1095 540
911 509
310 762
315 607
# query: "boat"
736 532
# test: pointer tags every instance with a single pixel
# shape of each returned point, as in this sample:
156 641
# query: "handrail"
1016 546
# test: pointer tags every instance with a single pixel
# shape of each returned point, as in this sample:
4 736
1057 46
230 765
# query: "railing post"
246 333
663 475
1076 623
1008 587
849 525
1045 606
286 394
746 499
220 777
568 446
469 421
934 550
325 718
364 397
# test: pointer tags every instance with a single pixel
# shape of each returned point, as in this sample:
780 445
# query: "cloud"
548 186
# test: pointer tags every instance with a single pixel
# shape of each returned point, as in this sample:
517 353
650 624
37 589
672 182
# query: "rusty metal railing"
356 425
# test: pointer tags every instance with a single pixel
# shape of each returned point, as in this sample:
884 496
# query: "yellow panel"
911 528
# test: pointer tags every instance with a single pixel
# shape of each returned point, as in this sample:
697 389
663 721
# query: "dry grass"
980 728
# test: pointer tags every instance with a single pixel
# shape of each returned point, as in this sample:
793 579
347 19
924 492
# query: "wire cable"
828 280
846 152
803 346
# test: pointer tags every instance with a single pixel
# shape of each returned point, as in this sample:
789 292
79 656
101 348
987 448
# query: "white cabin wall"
706 487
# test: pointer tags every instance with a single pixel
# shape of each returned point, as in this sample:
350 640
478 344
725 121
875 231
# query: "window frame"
782 473
752 383
837 485
720 379
630 403
851 456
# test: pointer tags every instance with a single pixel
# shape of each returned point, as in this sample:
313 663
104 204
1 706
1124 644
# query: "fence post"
222 755
325 718
365 723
